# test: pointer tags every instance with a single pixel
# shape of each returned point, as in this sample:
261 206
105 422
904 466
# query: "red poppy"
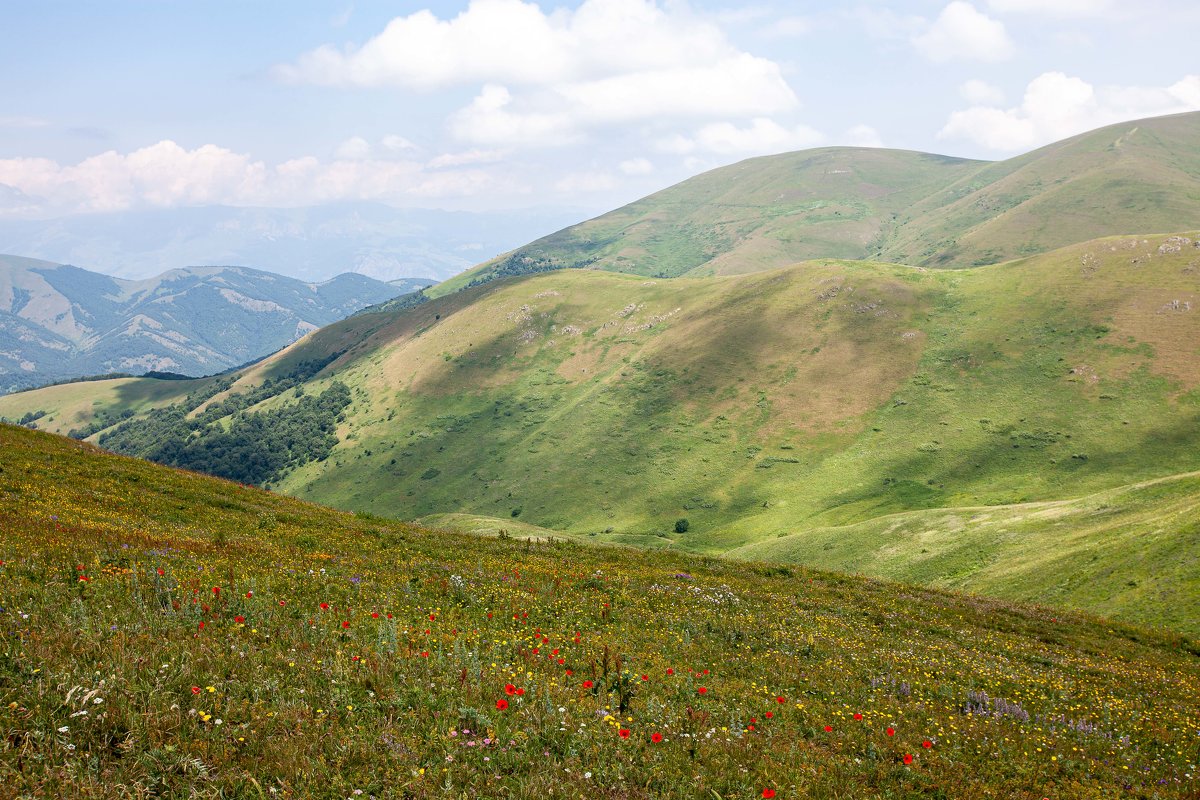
623 733
645 677
656 737
770 715
780 700
195 690
768 793
908 758
509 689
345 623
890 731
858 717
282 603
239 619
249 594
703 690
520 691
324 606
829 729
502 705
670 671
160 571
374 615
927 744
588 684
216 590
432 617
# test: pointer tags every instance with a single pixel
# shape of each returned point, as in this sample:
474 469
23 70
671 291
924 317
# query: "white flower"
218 721
63 729
97 700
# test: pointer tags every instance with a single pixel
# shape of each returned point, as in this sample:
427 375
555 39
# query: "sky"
503 104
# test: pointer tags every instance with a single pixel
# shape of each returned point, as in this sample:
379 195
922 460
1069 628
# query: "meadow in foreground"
168 634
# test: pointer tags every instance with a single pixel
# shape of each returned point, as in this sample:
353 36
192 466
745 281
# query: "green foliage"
254 447
682 525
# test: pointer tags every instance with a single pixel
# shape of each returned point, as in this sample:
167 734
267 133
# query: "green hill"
824 395
169 634
890 205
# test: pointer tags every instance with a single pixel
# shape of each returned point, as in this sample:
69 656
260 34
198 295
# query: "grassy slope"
1134 176
1128 552
912 208
251 688
72 406
824 395
758 214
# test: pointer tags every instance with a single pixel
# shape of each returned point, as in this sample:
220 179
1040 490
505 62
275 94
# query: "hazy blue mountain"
59 321
312 244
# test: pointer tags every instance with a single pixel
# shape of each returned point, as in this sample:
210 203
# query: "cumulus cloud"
548 77
863 136
587 181
963 33
1056 106
636 166
473 156
356 148
761 137
1054 8
167 175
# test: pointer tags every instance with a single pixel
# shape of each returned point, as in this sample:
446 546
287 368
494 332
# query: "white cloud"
762 136
1056 106
546 78
863 136
590 181
636 166
167 175
355 148
396 143
473 156
981 93
1054 8
788 27
488 119
961 32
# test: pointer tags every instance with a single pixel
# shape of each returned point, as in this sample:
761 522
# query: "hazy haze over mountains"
312 244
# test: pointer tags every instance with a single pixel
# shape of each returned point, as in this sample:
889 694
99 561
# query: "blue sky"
501 103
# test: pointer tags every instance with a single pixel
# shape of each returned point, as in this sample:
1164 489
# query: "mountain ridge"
890 205
59 321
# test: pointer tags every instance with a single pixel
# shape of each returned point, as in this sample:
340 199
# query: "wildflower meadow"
165 634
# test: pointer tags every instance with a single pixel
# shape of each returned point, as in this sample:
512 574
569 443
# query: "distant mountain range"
312 244
59 321
892 205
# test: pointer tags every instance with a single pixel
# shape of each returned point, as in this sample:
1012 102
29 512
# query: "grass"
825 395
168 634
1124 552
893 205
